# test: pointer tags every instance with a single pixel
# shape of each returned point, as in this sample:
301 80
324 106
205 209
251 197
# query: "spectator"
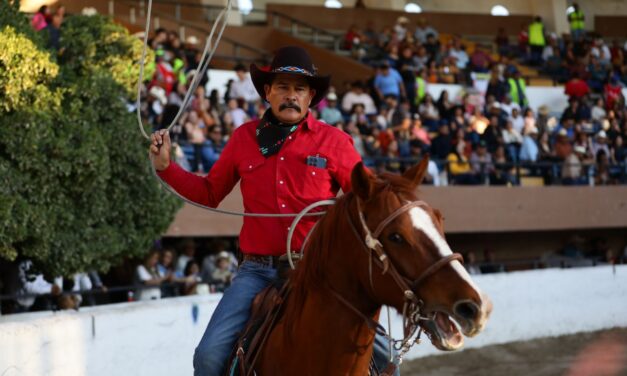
209 262
576 88
357 95
40 19
572 169
517 89
619 152
490 265
330 114
512 140
458 53
222 274
36 286
502 168
613 92
536 40
236 114
602 169
600 143
408 66
481 163
597 75
432 46
164 74
576 19
470 262
191 278
523 40
517 121
197 136
189 251
480 60
213 147
401 27
429 113
496 86
389 82
529 121
423 30
529 151
166 269
243 89
502 42
53 30
147 276
459 168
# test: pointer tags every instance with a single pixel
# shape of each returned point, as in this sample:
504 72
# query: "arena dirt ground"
602 353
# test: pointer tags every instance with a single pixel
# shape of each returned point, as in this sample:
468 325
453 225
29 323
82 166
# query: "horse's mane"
310 272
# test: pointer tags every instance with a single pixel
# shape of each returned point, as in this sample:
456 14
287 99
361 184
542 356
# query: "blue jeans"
231 315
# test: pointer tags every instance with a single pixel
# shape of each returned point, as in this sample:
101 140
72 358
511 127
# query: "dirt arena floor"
602 353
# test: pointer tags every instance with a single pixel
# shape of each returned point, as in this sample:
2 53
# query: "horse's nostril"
467 310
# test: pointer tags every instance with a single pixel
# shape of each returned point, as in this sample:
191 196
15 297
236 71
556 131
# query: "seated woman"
459 168
148 278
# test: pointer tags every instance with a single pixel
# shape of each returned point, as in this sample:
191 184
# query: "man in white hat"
330 114
600 143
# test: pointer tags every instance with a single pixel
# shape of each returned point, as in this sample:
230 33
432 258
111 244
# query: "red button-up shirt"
281 183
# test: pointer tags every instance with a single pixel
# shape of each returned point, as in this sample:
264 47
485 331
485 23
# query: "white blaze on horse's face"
422 221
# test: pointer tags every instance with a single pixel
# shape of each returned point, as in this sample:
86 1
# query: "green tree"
76 191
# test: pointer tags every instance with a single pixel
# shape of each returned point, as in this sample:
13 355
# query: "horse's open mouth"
443 332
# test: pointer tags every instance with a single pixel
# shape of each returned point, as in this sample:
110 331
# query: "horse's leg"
229 318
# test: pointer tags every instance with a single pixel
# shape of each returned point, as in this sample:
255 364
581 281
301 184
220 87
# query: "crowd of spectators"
472 139
178 268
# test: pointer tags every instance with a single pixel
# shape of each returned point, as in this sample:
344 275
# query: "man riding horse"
284 162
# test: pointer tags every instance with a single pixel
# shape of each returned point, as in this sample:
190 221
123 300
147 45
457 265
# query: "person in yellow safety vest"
421 86
576 19
518 90
179 70
536 40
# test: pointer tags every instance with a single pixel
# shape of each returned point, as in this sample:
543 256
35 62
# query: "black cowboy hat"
291 60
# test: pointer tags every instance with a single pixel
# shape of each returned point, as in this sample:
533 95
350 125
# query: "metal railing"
259 55
296 27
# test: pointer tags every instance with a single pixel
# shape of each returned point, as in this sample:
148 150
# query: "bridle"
412 306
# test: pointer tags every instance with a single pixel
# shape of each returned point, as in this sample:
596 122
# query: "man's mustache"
285 106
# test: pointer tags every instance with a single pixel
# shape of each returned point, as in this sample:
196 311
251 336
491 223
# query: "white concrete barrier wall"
158 338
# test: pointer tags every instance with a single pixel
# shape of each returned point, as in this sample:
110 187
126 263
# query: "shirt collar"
310 122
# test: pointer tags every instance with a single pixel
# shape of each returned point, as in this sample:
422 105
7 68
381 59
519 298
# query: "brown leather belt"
271 261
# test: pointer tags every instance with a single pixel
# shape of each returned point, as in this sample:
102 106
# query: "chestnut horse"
339 286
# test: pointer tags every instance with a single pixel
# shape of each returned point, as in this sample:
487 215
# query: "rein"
412 307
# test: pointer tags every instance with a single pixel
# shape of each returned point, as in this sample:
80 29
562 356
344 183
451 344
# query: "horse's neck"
319 318
340 336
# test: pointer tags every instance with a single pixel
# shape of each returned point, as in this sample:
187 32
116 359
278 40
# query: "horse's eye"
396 238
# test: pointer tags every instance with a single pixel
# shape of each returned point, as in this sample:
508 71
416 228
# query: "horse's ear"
417 172
361 181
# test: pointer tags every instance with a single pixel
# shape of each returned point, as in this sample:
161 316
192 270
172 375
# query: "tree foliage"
76 191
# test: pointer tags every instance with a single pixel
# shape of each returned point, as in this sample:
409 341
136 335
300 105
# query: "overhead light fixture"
413 8
332 4
499 10
245 6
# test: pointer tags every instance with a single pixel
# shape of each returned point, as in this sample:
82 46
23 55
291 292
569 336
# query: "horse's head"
417 257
